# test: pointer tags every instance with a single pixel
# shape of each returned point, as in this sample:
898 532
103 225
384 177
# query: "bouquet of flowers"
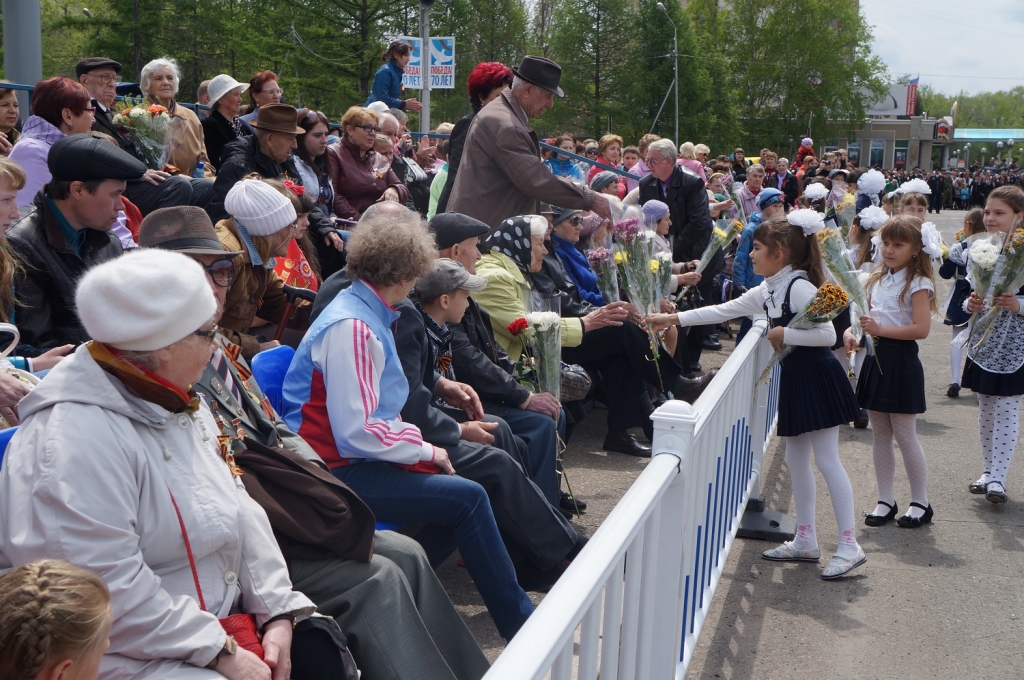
1007 276
148 127
843 214
826 305
661 265
737 211
602 262
837 260
545 337
721 236
636 246
982 257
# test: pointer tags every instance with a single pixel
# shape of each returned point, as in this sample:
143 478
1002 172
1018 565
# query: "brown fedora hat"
278 118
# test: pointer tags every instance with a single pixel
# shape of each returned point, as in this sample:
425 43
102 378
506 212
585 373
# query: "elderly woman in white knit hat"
262 221
117 468
223 125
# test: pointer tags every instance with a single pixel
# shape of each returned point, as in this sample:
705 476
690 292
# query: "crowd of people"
161 518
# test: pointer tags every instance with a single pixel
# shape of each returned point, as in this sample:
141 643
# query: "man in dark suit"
785 181
157 189
687 200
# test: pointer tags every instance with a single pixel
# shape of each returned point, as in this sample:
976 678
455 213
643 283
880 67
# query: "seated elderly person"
223 125
360 175
601 339
159 81
378 585
261 224
157 189
161 516
345 390
66 231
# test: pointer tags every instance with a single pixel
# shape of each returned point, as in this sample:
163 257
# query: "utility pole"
675 56
425 63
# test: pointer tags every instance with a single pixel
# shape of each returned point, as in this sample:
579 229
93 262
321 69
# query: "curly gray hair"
146 79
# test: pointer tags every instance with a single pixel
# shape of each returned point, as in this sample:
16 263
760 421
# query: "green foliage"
982 110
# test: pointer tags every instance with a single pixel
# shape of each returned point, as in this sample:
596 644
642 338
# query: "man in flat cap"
502 174
64 232
156 189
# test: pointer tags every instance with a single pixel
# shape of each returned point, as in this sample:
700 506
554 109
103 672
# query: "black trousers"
623 356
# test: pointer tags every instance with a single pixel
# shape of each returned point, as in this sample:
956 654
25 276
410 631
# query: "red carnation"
517 326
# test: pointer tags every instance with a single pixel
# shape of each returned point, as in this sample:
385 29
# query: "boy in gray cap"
66 231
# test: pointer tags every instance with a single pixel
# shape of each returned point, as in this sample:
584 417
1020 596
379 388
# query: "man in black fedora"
502 174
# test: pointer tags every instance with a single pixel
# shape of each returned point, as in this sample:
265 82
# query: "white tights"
825 446
998 427
902 427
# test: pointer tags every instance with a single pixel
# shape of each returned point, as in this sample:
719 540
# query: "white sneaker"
787 553
838 567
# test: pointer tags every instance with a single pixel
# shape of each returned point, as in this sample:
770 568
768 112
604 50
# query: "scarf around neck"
142 382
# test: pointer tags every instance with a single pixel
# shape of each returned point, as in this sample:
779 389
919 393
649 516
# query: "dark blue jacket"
578 269
387 85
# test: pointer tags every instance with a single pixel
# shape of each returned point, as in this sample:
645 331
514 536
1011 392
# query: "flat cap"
92 63
446 276
90 157
184 228
450 228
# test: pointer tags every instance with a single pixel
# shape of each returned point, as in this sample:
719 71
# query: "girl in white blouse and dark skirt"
815 397
901 295
995 369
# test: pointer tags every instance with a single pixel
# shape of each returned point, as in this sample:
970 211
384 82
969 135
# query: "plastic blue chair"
5 439
269 368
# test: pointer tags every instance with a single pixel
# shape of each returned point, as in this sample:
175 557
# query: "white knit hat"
145 300
262 209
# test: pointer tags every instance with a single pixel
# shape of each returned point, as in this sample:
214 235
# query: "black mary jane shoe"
908 522
565 501
873 520
995 496
977 487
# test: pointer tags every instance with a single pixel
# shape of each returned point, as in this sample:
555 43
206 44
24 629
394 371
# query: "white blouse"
889 307
770 292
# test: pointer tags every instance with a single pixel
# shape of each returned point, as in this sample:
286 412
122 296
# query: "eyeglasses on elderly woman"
221 272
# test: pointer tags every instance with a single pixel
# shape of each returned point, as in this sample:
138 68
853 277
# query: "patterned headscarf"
512 239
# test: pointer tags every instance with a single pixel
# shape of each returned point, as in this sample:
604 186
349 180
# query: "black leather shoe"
862 422
710 343
696 368
565 502
624 442
688 389
954 391
908 522
880 520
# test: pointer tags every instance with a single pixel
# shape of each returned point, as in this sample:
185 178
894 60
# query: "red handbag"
242 627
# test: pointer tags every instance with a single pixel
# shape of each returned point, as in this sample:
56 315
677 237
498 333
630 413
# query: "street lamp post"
983 152
1009 148
967 160
675 68
999 151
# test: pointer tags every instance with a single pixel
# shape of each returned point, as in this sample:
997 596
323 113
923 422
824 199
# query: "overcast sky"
955 45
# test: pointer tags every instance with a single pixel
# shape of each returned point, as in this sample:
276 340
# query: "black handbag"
320 651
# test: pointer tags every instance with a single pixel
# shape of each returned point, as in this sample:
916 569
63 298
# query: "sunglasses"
222 272
210 335
591 152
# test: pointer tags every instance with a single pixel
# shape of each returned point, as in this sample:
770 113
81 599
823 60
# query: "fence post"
674 425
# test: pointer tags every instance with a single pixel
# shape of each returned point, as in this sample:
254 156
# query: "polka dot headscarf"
512 239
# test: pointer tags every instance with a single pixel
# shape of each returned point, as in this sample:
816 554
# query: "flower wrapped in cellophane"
1007 276
149 127
982 256
721 236
602 263
544 335
825 306
635 245
661 265
840 265
843 214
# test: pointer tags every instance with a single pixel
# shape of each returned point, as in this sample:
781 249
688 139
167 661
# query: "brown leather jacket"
256 290
356 187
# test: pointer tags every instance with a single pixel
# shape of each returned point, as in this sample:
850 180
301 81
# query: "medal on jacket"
228 455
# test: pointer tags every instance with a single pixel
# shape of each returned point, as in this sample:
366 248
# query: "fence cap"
675 410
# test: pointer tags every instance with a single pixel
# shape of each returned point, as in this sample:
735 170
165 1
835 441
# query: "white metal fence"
632 604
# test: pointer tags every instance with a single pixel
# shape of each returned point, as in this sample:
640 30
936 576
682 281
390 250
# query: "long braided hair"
52 611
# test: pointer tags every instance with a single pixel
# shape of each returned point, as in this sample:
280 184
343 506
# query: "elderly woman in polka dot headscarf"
603 339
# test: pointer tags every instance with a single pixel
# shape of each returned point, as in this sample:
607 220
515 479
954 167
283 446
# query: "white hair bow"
872 217
810 221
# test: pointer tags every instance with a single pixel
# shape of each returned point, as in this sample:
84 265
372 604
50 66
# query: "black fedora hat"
541 72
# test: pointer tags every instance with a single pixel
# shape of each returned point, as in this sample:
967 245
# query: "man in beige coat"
502 174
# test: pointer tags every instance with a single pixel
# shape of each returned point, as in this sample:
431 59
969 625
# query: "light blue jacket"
742 269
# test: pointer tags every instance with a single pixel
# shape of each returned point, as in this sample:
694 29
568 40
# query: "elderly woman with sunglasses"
262 221
161 516
360 175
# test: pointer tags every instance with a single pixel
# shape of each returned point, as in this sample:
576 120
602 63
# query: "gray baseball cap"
446 276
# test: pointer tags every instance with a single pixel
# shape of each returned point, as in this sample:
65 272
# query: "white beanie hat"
262 209
145 300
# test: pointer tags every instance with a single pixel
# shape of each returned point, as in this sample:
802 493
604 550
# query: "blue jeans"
539 433
460 506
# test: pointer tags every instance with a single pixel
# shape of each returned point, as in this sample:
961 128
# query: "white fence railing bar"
633 603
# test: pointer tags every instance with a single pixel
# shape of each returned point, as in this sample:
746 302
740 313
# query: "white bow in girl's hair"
811 221
872 217
871 183
916 185
816 191
876 246
931 241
